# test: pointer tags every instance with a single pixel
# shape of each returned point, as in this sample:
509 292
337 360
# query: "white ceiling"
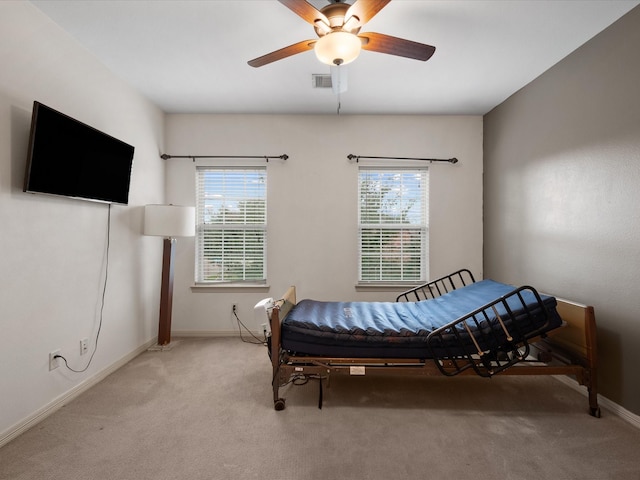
191 56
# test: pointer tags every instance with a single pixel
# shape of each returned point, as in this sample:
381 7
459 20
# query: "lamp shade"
169 220
338 48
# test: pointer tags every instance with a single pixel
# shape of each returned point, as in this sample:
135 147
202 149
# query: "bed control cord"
241 326
302 379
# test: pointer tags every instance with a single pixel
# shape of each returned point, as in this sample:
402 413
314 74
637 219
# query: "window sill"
226 287
365 287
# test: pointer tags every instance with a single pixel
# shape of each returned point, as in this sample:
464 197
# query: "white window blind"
393 224
231 224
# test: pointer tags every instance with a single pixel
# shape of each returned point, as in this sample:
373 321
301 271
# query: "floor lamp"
168 221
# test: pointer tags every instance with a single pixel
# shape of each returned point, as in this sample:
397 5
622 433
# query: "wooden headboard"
286 302
279 312
578 336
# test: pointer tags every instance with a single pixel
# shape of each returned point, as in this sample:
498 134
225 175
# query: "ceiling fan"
340 41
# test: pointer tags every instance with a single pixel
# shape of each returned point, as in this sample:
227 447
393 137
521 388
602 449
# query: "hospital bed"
450 326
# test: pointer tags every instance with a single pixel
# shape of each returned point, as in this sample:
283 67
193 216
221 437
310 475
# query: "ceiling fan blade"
379 42
305 10
282 53
365 10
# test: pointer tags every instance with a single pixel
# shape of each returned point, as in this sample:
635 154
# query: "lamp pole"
166 292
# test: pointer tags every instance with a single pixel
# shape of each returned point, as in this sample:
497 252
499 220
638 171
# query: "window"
231 225
393 224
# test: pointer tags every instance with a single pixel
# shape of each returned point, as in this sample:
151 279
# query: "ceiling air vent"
319 80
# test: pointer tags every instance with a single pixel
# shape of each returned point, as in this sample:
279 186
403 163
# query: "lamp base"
163 348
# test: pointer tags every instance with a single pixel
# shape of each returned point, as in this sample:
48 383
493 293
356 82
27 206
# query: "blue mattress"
400 329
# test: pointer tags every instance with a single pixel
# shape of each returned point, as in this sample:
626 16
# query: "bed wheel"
279 404
595 412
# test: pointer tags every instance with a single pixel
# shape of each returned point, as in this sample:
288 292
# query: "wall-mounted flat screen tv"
69 158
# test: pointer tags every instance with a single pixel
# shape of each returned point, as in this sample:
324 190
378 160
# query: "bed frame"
568 350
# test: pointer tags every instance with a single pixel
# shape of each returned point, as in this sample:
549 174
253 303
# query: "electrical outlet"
53 361
264 328
234 308
84 346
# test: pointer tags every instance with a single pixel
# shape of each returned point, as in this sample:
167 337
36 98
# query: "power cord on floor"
256 341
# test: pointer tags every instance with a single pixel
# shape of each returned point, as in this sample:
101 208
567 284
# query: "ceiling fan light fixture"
338 48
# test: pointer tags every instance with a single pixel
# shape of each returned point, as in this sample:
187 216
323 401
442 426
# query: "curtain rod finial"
164 156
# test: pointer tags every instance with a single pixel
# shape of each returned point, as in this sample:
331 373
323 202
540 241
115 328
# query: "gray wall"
562 193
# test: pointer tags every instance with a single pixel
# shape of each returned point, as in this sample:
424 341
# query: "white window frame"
395 264
223 195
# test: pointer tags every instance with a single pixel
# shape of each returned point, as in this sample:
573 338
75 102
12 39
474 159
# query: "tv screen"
69 158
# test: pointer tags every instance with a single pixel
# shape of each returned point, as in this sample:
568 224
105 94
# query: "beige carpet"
204 411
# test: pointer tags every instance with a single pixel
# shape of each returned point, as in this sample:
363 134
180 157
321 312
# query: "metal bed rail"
491 338
436 288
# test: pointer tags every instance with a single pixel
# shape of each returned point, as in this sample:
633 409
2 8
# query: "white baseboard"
214 334
613 407
24 425
207 333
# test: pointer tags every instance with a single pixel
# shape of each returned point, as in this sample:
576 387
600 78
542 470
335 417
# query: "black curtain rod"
351 156
165 156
